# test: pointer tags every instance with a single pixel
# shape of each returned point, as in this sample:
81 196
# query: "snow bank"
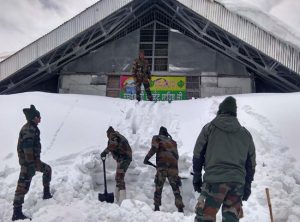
73 134
278 17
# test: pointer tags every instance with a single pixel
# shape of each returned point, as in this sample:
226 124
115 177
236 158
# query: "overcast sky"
24 21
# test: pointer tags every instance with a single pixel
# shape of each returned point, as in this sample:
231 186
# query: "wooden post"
269 204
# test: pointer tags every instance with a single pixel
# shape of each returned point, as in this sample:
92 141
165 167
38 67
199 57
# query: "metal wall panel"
27 55
58 36
285 54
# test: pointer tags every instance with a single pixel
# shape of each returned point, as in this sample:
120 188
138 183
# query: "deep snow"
73 135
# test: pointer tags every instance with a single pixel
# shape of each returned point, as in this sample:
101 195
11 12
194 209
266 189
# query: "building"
199 43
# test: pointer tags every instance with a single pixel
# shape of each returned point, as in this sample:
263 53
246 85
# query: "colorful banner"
163 88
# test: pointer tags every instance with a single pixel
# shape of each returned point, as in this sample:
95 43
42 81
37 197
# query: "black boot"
180 209
156 208
18 214
47 194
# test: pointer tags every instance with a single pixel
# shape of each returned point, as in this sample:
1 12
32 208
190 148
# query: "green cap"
228 106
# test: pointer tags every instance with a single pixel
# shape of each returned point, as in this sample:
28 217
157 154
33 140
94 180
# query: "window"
154 41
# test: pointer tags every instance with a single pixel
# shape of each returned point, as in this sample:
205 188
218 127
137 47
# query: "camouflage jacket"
119 147
166 152
29 146
141 69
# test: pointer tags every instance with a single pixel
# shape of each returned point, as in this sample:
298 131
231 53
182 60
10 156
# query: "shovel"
107 197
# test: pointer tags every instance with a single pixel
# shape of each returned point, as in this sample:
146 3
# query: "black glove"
197 182
146 161
247 191
103 154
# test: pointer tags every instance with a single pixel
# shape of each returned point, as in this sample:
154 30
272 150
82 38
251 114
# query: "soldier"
166 165
29 149
227 152
122 153
141 75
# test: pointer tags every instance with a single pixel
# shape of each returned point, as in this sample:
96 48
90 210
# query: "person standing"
166 152
29 149
226 151
121 151
142 75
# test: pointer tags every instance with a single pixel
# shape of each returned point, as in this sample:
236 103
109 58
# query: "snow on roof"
271 18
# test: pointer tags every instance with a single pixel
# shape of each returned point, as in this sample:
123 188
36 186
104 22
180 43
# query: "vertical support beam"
153 46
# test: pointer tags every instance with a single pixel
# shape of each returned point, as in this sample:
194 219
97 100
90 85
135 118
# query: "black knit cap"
31 113
228 106
110 130
163 131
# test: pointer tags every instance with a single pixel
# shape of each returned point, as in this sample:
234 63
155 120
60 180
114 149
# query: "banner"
163 88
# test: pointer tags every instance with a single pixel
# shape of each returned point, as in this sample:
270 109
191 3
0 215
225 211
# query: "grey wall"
115 56
190 57
217 86
185 56
81 84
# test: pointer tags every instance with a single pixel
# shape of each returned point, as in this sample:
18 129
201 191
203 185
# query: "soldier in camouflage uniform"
227 152
166 152
122 153
29 149
141 75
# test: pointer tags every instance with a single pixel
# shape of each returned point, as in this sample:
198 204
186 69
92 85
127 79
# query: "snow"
5 55
73 134
281 18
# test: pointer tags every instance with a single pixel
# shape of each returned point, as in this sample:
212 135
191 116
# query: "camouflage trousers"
138 85
25 178
214 195
174 181
122 167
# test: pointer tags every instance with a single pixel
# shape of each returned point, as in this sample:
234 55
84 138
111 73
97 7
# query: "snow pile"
278 17
73 134
5 55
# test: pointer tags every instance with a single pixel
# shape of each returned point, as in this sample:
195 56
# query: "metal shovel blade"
106 197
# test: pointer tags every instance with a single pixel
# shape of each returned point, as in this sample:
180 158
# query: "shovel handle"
104 174
269 204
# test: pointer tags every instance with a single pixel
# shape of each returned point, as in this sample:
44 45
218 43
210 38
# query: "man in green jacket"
226 151
29 149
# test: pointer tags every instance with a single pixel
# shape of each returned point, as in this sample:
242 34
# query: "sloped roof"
207 21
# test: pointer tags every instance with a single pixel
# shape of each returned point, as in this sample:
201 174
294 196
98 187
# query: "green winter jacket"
226 150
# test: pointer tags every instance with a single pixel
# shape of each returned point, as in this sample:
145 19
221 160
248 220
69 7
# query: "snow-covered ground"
73 133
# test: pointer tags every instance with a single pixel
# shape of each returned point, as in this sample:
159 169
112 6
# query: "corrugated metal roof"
282 52
58 36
